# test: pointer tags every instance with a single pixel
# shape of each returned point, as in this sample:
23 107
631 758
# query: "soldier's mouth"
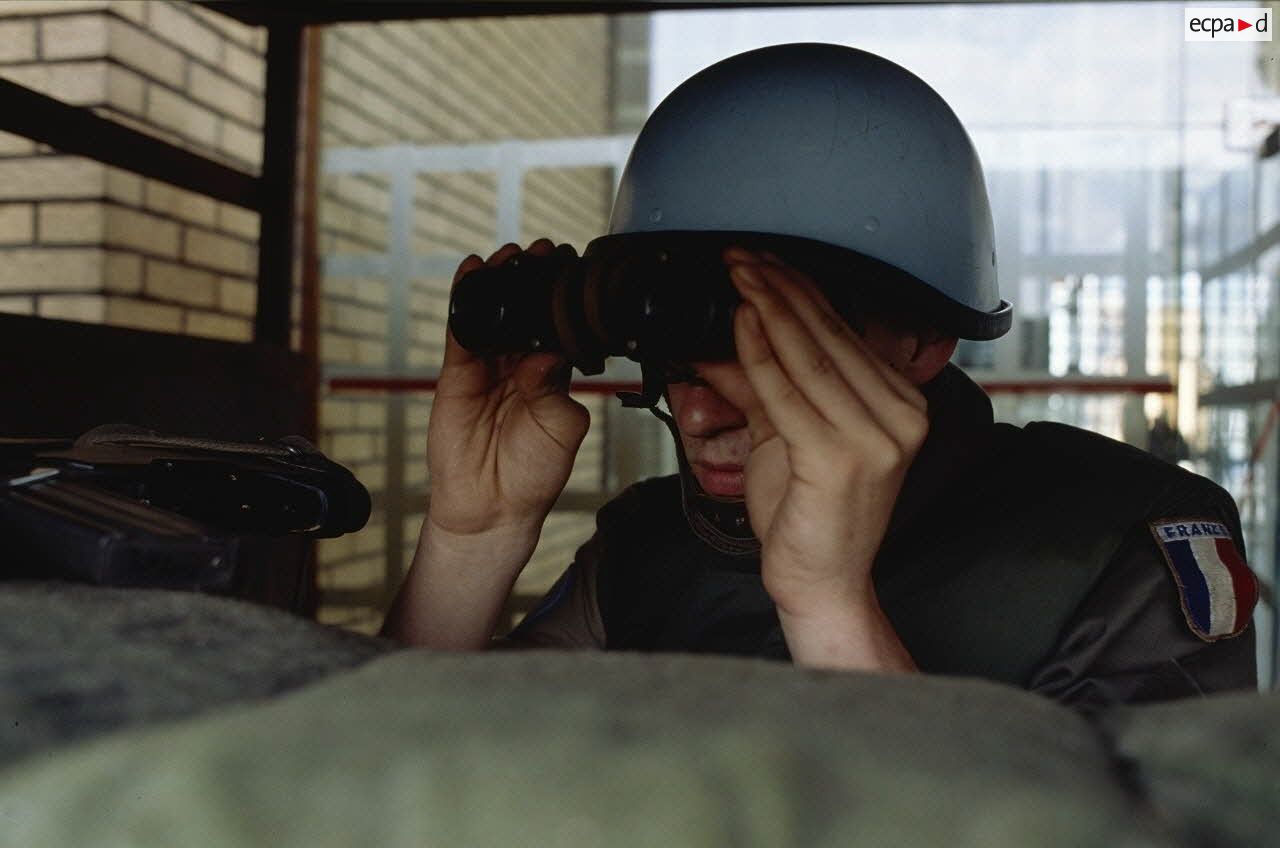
722 480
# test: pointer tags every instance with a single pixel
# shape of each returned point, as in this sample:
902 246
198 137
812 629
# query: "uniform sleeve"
568 616
1142 635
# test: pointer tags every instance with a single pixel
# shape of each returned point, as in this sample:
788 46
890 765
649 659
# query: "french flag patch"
1218 590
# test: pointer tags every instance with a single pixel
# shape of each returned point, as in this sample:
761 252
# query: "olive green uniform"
1023 555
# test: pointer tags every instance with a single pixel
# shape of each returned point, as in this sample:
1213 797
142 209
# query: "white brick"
126 90
367 620
430 302
77 83
215 326
220 252
126 312
373 475
415 476
134 10
341 244
239 297
334 348
179 114
176 25
369 352
18 305
247 66
189 286
50 177
371 291
369 540
71 223
225 95
357 63
335 414
417 412
145 54
124 186
351 446
44 269
242 143
180 203
17 223
353 319
419 358
73 37
343 547
147 233
372 416
17 41
88 308
338 287
240 222
227 26
122 272
15 145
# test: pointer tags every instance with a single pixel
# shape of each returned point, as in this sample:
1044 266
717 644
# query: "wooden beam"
279 184
346 11
77 130
309 224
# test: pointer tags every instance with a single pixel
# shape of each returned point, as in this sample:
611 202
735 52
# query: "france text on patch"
1218 590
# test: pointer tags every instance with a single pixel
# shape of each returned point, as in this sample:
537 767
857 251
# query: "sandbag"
571 749
1211 766
79 661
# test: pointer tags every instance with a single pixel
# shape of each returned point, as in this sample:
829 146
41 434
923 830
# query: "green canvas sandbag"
534 749
1211 766
79 661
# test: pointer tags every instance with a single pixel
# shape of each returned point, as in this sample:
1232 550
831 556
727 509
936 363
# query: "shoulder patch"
1217 589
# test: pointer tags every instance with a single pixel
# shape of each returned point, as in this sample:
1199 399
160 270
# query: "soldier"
845 499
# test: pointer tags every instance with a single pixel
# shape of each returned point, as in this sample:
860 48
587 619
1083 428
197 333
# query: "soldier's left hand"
833 431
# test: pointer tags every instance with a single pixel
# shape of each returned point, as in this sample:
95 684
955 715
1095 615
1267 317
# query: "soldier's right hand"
503 432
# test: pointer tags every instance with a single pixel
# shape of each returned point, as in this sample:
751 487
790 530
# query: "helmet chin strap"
718 521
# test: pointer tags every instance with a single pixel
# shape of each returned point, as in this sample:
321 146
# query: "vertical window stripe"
1243 581
1195 589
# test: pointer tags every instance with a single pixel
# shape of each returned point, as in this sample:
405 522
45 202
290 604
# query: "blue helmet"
833 145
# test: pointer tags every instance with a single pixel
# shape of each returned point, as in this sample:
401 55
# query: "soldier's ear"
925 355
918 354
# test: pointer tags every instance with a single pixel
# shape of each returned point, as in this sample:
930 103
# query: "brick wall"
442 82
91 243
85 242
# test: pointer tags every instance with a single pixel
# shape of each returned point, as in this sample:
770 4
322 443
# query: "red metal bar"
1245 499
1260 444
1079 384
397 385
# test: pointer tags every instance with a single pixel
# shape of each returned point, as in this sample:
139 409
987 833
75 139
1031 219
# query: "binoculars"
658 298
648 299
